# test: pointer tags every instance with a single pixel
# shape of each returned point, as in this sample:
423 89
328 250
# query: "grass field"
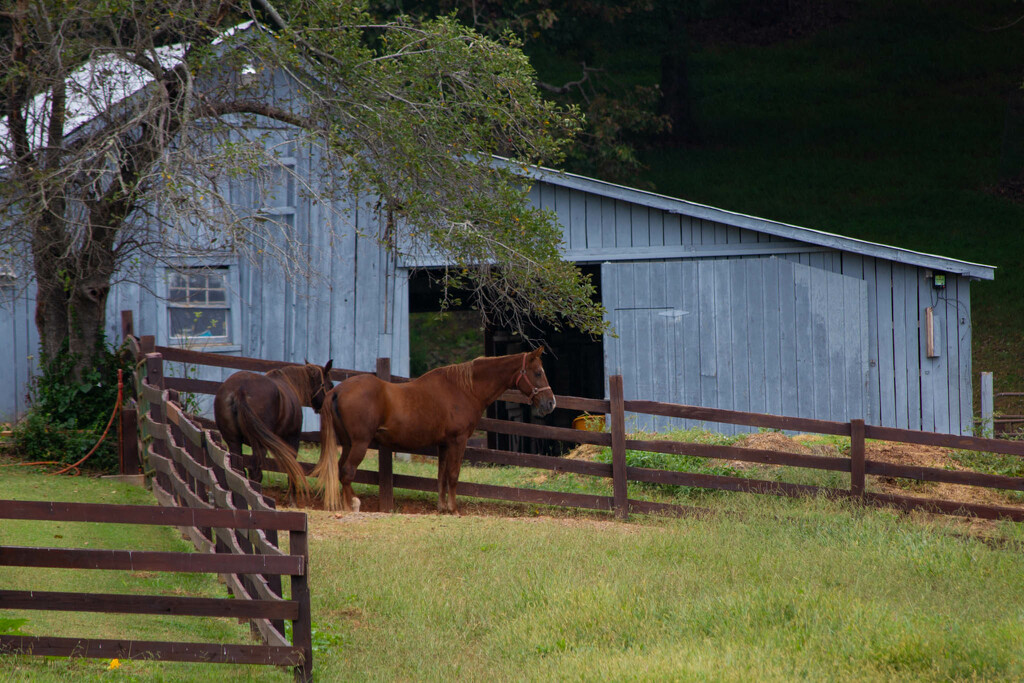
764 589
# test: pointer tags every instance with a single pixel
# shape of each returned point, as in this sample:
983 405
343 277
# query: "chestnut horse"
440 408
265 411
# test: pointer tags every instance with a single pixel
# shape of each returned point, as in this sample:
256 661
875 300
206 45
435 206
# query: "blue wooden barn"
709 308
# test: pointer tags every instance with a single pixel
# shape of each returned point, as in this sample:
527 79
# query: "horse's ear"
306 361
327 368
536 352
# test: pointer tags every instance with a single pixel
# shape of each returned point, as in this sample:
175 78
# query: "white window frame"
231 343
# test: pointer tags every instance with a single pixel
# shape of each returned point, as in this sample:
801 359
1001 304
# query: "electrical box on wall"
939 281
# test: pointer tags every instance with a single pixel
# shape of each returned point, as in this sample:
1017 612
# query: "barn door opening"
574 362
754 335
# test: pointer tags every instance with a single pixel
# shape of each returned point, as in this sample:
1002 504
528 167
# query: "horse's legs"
259 453
255 469
352 454
453 464
442 479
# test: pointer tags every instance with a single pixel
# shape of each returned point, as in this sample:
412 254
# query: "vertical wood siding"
715 334
18 350
766 336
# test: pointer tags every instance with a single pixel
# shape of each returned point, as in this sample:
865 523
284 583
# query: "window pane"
217 296
196 280
197 296
199 322
176 294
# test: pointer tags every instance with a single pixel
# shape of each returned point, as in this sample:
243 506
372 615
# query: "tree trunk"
77 317
71 296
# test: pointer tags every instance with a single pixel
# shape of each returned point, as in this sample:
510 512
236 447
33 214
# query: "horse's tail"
326 470
255 431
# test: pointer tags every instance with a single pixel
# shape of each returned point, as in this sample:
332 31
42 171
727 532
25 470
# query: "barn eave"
796 234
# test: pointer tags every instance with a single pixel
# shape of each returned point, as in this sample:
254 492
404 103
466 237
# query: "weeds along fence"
618 441
263 606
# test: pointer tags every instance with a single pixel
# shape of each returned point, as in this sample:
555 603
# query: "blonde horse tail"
326 470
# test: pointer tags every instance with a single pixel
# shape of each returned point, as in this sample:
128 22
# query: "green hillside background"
887 121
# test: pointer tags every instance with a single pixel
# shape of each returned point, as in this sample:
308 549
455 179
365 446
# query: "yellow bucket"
589 423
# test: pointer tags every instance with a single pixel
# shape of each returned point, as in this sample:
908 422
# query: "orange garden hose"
117 410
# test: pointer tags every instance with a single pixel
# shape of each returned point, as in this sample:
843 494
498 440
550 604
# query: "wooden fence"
203 493
224 523
616 407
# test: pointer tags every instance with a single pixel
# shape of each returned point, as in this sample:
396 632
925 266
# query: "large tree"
126 123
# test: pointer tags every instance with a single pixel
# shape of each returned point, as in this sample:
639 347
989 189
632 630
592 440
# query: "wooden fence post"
385 476
155 378
127 324
620 499
129 445
302 633
857 458
988 406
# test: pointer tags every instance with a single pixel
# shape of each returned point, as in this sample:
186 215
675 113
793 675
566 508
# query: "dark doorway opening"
573 361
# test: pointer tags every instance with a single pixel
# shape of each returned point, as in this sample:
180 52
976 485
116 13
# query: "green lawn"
29 484
767 589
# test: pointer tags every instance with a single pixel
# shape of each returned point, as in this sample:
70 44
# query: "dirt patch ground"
890 452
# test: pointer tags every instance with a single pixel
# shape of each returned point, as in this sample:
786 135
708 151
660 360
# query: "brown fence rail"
269 608
616 407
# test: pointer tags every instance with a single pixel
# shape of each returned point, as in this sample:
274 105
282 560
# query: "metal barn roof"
784 230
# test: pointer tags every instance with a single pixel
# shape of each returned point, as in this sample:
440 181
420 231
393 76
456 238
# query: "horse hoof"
355 504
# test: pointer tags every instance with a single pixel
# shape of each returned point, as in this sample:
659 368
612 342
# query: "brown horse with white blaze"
265 411
440 408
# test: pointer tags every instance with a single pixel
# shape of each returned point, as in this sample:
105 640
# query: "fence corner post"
988 406
857 458
385 475
129 444
127 324
302 633
620 499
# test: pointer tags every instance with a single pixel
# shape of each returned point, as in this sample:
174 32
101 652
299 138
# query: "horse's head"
319 383
532 381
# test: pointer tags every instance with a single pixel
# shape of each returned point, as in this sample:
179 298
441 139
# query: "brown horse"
265 411
440 408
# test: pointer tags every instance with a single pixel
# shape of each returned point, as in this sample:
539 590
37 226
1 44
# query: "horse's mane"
297 377
460 373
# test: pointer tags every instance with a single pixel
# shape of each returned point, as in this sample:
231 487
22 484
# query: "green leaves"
416 111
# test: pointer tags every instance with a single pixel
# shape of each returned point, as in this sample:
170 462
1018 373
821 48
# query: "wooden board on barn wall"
18 351
704 333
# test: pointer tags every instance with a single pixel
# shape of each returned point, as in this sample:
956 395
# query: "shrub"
68 415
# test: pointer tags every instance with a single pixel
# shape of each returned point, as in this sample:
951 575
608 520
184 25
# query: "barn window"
198 305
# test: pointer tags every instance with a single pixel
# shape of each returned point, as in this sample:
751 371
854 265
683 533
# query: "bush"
68 416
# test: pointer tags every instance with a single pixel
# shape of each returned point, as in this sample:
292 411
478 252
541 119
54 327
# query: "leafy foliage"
12 627
406 116
69 414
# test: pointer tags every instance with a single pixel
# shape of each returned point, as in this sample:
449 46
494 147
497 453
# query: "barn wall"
760 335
19 344
360 311
906 388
